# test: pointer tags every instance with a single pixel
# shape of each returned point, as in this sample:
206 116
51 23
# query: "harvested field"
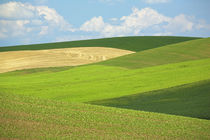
17 60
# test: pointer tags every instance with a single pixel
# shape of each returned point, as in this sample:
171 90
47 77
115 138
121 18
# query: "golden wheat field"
17 60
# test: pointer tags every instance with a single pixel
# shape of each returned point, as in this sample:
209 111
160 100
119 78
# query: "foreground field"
33 118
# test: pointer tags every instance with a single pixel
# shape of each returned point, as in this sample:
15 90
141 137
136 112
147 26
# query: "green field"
167 81
174 53
190 100
25 117
128 43
105 82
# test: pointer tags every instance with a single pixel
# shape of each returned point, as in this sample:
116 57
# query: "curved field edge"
25 117
37 70
133 43
17 60
184 51
174 53
190 100
97 82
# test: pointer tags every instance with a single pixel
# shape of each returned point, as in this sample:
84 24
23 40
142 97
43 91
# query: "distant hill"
133 43
174 53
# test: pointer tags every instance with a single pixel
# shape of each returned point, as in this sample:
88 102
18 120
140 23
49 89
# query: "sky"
42 21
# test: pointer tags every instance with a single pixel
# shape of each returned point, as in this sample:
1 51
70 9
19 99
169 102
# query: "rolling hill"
137 43
190 100
17 60
159 92
96 82
77 52
174 53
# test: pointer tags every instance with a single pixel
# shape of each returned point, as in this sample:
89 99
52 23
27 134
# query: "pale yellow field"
17 60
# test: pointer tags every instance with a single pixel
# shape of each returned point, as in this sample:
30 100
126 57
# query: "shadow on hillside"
191 100
37 70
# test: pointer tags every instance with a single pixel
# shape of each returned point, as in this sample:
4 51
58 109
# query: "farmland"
190 100
16 60
76 84
160 92
174 53
23 117
127 43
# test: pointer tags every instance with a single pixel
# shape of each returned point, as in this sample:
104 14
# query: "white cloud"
95 24
162 34
19 19
16 10
36 22
53 18
131 24
146 20
140 19
44 30
112 30
179 23
202 25
14 27
113 19
2 35
156 1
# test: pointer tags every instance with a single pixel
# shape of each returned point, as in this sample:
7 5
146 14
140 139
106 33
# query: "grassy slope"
128 43
192 50
25 118
38 70
97 82
187 100
184 51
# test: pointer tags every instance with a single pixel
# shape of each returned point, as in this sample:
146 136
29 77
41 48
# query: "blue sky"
41 21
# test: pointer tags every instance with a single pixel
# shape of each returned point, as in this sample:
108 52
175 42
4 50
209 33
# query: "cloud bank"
19 19
139 21
27 23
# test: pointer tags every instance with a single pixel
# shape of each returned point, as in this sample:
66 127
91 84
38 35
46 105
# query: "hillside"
135 43
190 100
160 92
17 60
174 53
74 54
101 81
25 117
96 82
